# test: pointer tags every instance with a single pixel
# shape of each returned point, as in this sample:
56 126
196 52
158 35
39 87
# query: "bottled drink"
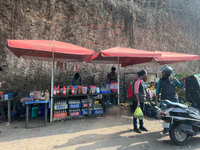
57 91
54 90
46 95
72 89
64 90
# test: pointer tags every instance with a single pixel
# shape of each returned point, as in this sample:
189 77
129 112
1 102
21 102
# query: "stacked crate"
74 107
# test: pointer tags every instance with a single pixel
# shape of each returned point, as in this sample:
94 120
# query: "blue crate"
147 111
74 106
101 111
10 95
86 104
85 112
77 113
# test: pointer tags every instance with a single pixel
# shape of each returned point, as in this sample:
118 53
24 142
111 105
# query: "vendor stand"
151 109
28 104
121 55
76 105
46 50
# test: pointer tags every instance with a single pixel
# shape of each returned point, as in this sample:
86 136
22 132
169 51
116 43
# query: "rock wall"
171 25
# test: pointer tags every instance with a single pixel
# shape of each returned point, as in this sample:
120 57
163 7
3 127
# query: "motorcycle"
183 121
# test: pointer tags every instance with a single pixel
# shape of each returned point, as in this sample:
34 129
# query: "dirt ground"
107 132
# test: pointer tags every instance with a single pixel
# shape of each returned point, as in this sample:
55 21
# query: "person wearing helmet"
167 85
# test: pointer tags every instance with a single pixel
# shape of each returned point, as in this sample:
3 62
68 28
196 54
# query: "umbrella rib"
74 56
27 52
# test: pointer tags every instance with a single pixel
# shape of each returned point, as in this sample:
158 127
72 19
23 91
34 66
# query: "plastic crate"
7 96
86 104
147 111
101 111
85 112
74 105
154 113
60 115
59 107
77 113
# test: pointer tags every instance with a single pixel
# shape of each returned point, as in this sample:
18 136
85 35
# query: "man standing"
139 97
76 80
112 76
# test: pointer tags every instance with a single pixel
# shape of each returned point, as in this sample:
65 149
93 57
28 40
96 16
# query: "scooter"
183 121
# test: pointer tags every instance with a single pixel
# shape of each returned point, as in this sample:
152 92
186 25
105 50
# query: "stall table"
27 103
8 102
80 95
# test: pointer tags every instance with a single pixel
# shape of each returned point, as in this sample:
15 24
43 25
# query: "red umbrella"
43 49
120 55
166 58
49 50
170 57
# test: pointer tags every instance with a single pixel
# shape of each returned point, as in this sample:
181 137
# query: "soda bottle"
64 90
57 91
46 95
73 90
54 90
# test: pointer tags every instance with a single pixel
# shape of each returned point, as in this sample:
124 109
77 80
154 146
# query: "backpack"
129 91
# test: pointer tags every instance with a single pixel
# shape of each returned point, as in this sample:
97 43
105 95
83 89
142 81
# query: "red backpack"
129 91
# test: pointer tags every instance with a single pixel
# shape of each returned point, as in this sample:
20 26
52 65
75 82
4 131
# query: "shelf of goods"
68 106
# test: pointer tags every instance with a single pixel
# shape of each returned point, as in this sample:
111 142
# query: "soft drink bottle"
54 90
72 89
64 90
57 90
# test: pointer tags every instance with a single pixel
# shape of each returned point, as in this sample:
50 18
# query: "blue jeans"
135 119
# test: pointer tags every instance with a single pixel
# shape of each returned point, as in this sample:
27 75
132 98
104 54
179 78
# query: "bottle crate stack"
74 107
60 109
84 105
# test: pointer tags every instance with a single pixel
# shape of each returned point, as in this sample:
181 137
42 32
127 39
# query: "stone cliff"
171 25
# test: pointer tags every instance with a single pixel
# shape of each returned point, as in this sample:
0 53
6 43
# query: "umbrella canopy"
123 55
120 55
42 50
166 58
49 50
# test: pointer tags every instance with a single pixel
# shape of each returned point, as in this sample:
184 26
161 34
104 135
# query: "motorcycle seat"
173 104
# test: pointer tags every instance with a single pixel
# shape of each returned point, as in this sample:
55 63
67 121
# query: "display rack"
76 96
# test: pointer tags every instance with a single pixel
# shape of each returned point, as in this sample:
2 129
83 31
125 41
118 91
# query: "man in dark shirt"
76 80
112 76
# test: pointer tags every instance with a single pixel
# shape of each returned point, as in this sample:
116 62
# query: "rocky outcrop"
171 25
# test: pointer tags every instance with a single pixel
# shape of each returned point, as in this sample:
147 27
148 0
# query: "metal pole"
118 83
45 115
27 114
52 81
124 89
9 117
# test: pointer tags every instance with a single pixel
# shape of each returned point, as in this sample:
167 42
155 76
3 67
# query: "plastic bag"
138 113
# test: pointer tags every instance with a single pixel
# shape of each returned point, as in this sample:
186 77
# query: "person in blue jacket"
166 85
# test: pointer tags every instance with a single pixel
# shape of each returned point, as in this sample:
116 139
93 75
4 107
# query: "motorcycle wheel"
177 136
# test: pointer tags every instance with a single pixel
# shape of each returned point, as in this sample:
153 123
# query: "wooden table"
8 103
27 103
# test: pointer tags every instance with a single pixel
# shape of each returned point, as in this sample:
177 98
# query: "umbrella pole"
52 79
118 83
